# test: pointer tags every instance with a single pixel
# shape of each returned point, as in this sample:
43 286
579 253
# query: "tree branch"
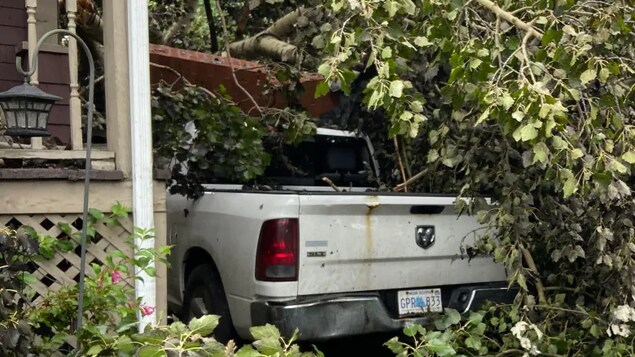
542 299
190 10
231 64
269 42
213 36
264 45
403 171
491 6
89 21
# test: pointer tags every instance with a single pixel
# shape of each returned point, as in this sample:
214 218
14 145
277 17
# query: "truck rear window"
344 160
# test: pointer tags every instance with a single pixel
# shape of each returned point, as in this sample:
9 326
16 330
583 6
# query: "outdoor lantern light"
26 110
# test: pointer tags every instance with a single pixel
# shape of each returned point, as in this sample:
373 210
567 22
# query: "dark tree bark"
213 35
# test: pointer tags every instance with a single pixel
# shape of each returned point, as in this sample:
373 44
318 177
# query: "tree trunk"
269 43
264 45
213 36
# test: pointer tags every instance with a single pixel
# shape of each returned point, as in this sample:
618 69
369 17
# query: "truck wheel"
204 295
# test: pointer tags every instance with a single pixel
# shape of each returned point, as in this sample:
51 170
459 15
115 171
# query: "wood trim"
46 48
54 154
56 174
61 197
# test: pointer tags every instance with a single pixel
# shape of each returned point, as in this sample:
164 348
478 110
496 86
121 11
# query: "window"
344 160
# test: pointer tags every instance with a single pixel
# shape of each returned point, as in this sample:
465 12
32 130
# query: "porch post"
116 83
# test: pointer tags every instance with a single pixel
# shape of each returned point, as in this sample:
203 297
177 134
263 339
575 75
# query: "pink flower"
147 310
116 277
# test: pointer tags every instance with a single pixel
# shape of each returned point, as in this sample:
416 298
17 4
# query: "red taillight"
277 255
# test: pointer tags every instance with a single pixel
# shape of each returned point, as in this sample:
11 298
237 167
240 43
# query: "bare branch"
509 17
231 64
403 171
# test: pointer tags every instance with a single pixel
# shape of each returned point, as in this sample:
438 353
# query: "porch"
41 179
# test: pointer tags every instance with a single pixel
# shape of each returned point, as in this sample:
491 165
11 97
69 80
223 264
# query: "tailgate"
358 242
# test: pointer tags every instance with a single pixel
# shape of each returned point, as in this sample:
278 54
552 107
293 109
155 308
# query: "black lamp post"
26 109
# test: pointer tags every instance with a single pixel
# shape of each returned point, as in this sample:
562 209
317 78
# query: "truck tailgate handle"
426 209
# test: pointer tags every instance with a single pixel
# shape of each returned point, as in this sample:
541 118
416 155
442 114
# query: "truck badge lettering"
315 254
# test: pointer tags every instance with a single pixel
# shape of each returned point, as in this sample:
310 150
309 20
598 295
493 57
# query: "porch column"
116 82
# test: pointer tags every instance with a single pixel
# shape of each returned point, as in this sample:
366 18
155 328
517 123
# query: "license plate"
419 301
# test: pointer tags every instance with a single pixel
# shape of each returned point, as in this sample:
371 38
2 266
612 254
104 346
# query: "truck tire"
205 295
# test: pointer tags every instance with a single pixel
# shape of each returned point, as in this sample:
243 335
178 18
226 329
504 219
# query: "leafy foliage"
209 137
537 116
16 249
109 306
206 138
194 36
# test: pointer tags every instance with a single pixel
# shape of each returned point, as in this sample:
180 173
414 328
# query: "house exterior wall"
52 68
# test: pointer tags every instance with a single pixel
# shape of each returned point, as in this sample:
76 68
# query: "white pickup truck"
330 263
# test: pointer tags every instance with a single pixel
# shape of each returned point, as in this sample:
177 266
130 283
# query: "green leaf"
151 351
204 325
521 281
551 35
475 63
604 75
576 154
268 345
386 53
587 76
528 132
541 152
473 343
321 89
64 245
570 187
416 106
325 69
28 278
248 351
124 343
394 345
96 214
558 143
396 88
541 20
391 6
410 330
518 115
483 52
483 116
94 350
475 318
545 109
433 155
422 41
453 317
268 330
629 157
618 166
65 227
406 115
507 101
595 331
409 6
440 348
